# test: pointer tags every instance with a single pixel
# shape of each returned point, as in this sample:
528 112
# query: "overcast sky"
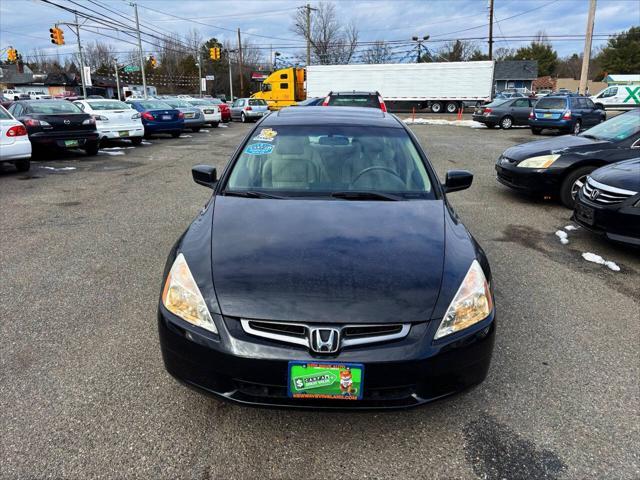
25 24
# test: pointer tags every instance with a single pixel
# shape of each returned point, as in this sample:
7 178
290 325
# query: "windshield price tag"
259 149
266 135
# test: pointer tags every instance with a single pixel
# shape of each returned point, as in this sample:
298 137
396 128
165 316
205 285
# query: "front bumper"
529 180
248 370
619 222
17 150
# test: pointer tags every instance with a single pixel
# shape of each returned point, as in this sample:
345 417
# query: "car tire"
572 184
136 141
243 118
92 149
506 122
215 124
576 127
536 131
195 129
451 107
436 107
176 134
23 165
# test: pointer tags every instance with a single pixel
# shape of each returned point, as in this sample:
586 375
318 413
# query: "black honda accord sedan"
558 167
328 270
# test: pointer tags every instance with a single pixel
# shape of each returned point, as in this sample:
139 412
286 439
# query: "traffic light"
57 36
214 53
12 55
152 61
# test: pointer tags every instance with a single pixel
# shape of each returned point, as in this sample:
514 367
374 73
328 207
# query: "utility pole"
200 72
84 84
586 56
115 66
419 41
230 76
240 62
309 34
144 78
490 29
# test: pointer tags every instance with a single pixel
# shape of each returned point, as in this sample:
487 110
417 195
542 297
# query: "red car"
225 112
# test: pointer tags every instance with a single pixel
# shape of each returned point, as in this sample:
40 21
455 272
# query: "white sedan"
114 119
15 146
212 114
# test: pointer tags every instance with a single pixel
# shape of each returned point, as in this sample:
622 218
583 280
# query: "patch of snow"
146 143
117 148
562 235
222 125
440 121
570 228
110 153
592 257
186 136
205 131
59 169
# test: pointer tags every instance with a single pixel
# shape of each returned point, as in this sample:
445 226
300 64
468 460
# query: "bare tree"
378 52
41 62
99 56
458 51
332 42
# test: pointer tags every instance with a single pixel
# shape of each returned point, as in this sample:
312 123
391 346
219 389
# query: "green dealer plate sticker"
320 380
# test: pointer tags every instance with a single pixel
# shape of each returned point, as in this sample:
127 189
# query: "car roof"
353 116
354 92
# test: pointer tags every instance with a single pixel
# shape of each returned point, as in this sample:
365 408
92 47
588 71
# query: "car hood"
327 260
625 175
562 144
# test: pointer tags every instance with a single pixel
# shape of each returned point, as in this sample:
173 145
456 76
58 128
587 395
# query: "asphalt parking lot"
84 394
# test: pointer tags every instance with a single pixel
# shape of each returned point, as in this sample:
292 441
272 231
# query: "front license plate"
166 117
320 380
585 214
124 133
71 143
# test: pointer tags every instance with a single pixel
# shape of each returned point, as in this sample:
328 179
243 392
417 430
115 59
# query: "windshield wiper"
364 195
249 194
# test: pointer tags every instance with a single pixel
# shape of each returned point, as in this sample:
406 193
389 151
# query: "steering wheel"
374 168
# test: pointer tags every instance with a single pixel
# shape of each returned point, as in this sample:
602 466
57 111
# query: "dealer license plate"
124 133
585 214
548 115
326 380
71 143
166 117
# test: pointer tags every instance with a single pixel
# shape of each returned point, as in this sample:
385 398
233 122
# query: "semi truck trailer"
438 87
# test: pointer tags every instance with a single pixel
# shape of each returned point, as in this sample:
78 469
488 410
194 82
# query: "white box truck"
441 87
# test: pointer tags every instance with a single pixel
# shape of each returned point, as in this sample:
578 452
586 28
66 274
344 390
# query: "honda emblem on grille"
594 194
67 122
324 340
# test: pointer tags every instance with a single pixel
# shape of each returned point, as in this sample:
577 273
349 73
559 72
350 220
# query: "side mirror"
205 175
456 180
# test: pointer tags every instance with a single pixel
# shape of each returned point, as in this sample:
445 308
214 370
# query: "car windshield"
257 102
617 128
319 161
176 103
155 105
53 107
114 105
369 101
308 101
551 104
215 101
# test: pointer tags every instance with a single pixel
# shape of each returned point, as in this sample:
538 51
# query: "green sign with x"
633 94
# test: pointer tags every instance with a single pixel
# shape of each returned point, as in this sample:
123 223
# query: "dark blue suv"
569 113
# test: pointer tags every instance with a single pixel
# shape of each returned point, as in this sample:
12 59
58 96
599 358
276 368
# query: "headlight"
543 161
471 304
182 297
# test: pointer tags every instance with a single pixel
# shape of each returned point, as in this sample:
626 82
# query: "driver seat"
291 165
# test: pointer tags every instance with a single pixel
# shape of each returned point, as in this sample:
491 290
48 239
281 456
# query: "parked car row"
606 200
33 126
568 113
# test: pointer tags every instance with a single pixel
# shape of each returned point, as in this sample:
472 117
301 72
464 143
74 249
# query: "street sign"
210 77
131 68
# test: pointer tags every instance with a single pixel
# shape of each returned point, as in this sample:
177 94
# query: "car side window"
16 110
521 102
590 104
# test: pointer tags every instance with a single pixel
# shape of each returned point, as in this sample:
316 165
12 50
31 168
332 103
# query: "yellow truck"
283 88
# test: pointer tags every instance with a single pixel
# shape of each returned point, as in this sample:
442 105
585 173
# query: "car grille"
604 194
299 333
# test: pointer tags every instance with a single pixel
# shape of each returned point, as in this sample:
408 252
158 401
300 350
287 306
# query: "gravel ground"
84 394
